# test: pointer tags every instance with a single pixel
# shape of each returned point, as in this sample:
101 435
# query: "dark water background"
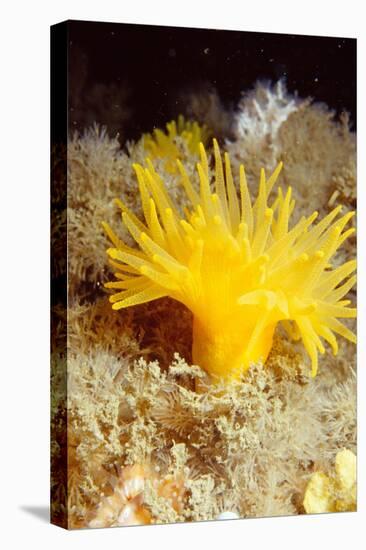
157 64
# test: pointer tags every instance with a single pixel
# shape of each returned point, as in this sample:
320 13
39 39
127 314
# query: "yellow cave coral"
162 144
236 264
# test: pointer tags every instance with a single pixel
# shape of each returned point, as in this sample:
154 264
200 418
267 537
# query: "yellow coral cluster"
335 492
162 144
236 264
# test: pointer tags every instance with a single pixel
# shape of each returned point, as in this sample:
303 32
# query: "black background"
159 63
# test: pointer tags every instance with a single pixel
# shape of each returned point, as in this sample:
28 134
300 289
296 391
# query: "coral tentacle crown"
236 264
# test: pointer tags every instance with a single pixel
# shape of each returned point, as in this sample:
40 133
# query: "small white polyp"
228 515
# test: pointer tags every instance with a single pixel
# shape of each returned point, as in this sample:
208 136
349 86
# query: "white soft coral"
261 113
263 110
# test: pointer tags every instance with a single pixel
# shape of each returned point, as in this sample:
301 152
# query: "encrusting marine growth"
335 492
236 265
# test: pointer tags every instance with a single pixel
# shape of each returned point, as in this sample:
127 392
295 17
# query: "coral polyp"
236 264
162 145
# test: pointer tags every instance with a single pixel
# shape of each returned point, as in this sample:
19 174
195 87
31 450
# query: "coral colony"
197 402
239 267
162 145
